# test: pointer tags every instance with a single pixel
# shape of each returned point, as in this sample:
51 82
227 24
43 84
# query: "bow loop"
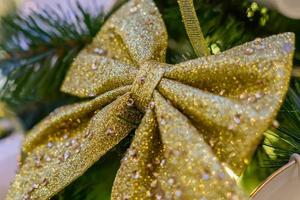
247 68
234 96
120 48
143 39
92 75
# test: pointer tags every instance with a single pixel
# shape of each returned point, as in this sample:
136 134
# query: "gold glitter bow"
200 116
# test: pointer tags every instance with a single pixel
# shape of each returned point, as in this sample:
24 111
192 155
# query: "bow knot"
148 77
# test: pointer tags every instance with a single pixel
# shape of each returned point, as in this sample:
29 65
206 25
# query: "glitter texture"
194 118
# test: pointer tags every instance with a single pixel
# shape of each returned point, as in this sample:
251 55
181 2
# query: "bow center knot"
147 79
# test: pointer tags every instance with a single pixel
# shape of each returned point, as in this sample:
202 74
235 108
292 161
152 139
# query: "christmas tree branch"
283 141
39 48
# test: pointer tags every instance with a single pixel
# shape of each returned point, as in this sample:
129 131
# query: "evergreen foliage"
281 142
37 50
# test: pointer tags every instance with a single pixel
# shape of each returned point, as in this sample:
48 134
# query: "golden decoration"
193 28
197 117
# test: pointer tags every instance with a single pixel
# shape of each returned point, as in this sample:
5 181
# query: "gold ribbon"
194 118
193 28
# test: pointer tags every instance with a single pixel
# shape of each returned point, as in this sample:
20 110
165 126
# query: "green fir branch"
282 142
39 48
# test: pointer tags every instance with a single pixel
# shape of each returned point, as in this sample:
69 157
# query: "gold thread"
192 26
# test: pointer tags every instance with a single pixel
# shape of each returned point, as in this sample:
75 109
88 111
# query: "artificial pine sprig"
38 49
282 142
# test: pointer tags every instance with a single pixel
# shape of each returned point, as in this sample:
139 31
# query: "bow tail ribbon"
65 144
169 159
